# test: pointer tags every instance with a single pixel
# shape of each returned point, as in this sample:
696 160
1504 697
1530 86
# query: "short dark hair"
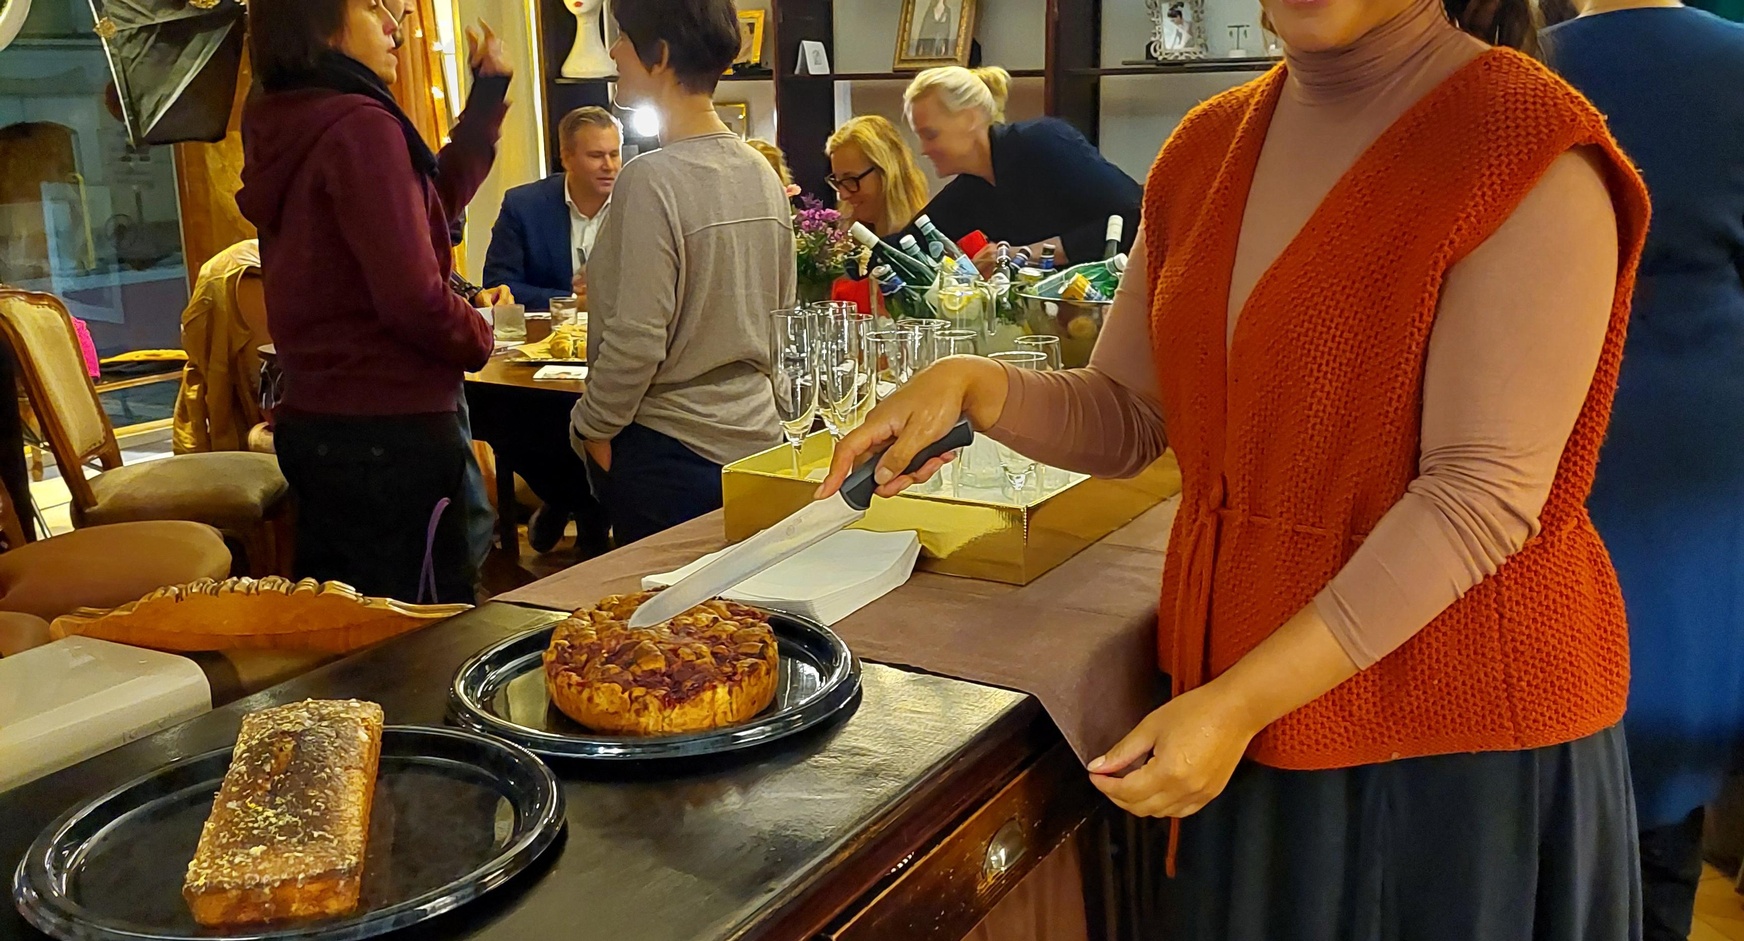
287 37
588 116
700 37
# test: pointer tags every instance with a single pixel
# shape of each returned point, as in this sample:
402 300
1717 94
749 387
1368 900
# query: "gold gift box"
1002 541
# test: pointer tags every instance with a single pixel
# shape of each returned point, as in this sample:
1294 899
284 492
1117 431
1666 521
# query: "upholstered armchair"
241 494
99 567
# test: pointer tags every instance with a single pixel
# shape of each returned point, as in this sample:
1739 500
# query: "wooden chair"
241 494
99 567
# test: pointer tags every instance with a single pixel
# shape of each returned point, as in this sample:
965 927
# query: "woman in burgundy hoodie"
354 213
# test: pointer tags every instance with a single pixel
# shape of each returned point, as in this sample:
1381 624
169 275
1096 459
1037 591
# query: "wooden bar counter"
939 809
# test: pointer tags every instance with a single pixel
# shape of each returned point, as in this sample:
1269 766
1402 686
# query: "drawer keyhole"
1004 850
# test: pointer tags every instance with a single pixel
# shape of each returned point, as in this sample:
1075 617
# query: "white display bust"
589 58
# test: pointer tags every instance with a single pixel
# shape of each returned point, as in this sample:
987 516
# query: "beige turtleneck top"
1510 358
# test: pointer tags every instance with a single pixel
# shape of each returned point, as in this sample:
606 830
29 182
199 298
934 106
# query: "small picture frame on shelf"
1177 30
750 39
931 33
736 115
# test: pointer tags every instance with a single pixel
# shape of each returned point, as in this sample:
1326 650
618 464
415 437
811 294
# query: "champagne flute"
793 360
1022 474
842 381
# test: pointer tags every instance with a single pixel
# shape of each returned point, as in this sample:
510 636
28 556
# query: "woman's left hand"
1194 742
484 52
491 297
988 258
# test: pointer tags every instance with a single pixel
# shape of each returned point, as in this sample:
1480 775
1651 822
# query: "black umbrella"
175 64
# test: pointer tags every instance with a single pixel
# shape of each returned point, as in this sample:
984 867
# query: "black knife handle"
857 490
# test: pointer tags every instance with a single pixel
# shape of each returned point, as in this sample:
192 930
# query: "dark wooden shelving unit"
897 76
1191 66
806 103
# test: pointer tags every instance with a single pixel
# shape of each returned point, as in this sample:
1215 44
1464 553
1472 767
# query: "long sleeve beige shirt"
693 255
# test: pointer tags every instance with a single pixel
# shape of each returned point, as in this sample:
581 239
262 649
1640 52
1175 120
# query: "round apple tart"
712 666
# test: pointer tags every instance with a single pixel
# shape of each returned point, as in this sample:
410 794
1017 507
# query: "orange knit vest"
1294 443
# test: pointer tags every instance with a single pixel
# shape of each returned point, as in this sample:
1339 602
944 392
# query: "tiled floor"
1719 909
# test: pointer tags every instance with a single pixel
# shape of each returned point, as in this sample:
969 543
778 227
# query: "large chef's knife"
810 525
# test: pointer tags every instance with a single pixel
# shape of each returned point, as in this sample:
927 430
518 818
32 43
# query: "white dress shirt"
582 229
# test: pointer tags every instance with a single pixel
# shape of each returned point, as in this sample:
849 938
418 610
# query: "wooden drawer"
941 894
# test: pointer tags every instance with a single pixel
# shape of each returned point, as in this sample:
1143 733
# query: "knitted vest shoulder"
1292 451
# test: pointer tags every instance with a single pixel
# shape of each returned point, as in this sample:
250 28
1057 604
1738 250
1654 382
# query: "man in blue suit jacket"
545 226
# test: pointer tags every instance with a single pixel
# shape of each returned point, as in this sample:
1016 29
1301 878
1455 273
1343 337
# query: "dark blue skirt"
1496 846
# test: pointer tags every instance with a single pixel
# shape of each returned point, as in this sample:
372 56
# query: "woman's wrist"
985 389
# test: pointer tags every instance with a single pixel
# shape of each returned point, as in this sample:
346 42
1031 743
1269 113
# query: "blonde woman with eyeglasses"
874 174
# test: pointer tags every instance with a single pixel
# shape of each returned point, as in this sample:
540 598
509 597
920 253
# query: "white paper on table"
828 581
560 372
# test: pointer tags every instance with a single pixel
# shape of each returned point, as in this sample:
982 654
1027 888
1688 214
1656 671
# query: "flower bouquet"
822 246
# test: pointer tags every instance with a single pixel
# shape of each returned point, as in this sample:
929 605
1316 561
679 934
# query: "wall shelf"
1185 67
896 76
806 104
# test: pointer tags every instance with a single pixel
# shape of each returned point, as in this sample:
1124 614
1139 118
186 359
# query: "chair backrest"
40 332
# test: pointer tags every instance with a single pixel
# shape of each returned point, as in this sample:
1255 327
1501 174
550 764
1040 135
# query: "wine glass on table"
844 388
1022 474
1044 343
793 355
1053 478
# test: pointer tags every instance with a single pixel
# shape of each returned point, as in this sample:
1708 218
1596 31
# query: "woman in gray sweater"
694 254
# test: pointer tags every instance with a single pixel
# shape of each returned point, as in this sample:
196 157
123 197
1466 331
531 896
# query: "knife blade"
807 527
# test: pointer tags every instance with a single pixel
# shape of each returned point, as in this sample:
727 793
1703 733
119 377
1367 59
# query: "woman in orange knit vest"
1377 309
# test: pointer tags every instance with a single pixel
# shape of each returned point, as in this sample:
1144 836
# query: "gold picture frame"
750 37
736 115
937 33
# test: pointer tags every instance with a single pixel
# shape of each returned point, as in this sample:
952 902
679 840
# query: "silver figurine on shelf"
1177 30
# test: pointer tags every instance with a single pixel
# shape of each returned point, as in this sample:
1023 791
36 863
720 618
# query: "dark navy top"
1669 499
1049 181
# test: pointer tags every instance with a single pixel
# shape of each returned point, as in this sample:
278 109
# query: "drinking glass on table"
1053 478
794 371
563 311
887 359
844 388
509 322
1022 475
976 466
1043 343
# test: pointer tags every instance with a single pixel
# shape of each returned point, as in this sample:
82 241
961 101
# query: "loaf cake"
714 665
288 830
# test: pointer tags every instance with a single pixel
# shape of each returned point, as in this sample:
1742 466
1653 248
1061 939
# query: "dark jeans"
1671 869
366 490
655 483
533 441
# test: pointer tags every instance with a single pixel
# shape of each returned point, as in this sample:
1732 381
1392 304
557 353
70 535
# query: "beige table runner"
1081 639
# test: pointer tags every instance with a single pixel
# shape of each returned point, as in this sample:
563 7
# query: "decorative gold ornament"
105 29
203 4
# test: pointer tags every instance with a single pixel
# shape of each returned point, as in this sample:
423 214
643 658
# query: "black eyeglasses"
848 185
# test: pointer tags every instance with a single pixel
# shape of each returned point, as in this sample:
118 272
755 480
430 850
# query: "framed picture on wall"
750 38
934 32
736 116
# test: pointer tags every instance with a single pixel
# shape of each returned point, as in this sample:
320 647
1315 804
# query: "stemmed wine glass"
793 357
843 386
